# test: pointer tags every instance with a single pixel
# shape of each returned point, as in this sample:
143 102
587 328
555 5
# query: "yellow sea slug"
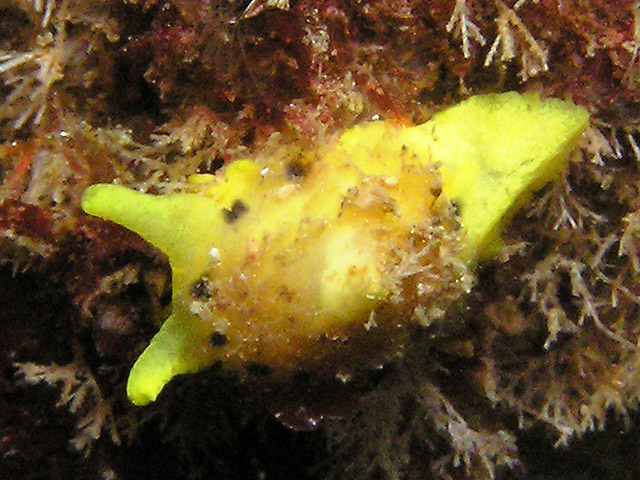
321 260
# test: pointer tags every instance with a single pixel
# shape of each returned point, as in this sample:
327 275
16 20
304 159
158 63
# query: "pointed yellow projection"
321 260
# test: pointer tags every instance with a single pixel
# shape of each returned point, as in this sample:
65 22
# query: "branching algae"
326 260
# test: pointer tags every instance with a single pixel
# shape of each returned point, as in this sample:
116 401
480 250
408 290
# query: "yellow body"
322 259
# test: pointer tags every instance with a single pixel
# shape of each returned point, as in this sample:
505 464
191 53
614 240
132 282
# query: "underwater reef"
526 364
